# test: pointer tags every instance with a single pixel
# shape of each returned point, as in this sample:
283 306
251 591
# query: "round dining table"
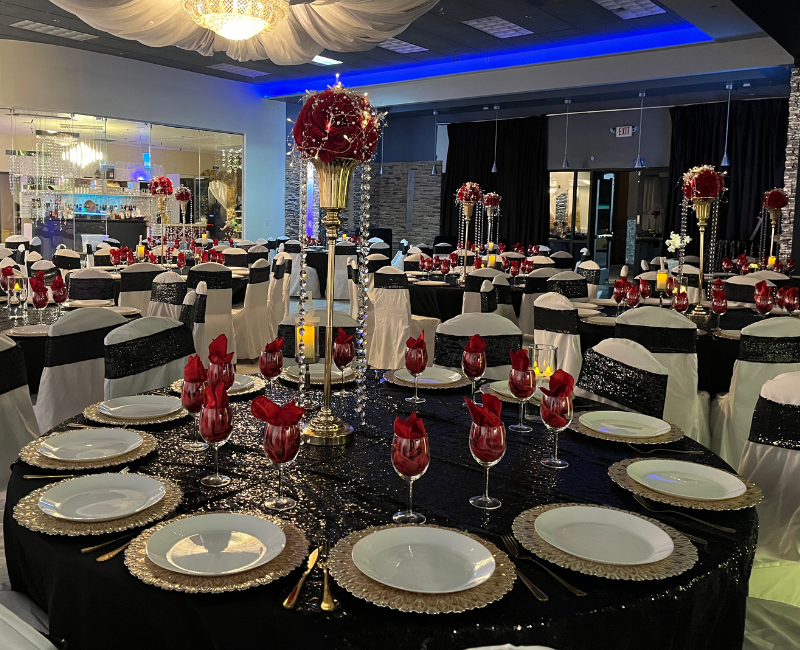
340 490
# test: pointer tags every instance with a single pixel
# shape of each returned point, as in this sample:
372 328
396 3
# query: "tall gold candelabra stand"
775 217
702 209
469 209
326 429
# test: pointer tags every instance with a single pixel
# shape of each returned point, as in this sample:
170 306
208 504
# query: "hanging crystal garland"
361 329
712 241
461 243
478 227
682 248
762 253
303 295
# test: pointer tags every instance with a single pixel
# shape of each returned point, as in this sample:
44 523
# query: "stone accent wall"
790 175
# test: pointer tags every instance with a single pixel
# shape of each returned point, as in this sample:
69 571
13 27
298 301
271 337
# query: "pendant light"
565 164
725 162
639 163
496 113
381 169
435 141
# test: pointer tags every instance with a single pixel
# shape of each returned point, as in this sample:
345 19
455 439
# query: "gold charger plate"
619 474
30 454
28 514
256 387
22 335
670 436
681 560
93 414
487 389
336 378
724 334
393 379
345 572
291 557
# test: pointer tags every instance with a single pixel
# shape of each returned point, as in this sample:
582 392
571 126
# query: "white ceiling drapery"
336 25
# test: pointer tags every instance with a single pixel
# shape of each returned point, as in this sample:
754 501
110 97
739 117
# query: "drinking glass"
60 297
522 383
281 443
473 365
221 373
719 305
727 264
181 262
680 301
514 270
556 414
445 266
619 293
416 360
632 296
192 395
343 355
764 304
40 302
504 263
410 459
780 295
478 263
270 364
792 302
645 288
488 446
216 426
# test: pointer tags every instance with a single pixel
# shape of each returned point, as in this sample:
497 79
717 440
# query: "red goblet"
416 361
343 355
221 372
645 288
727 264
505 263
192 396
791 301
281 444
410 459
719 305
780 296
473 364
181 262
270 364
632 296
514 270
445 266
764 303
680 301
619 293
478 263
216 426
39 299
522 384
488 446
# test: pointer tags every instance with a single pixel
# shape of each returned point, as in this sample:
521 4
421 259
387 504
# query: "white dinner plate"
501 388
430 376
432 283
585 305
734 335
136 407
318 372
124 311
89 303
604 535
29 330
215 544
624 424
688 480
241 383
604 302
603 320
586 313
423 560
90 444
415 273
101 497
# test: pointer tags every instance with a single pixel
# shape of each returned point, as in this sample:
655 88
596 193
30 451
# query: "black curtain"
756 149
521 179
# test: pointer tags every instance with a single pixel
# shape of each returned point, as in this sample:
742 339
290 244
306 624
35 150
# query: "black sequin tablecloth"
445 302
101 605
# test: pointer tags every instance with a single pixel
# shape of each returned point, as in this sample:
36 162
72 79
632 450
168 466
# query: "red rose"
491 199
470 193
775 199
703 182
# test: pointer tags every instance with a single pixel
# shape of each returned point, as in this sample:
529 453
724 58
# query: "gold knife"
291 599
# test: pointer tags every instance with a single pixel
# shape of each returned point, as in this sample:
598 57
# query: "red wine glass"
445 266
522 384
416 361
473 365
221 373
727 264
791 301
410 459
645 288
632 296
780 297
270 364
514 270
216 426
281 444
764 304
343 355
60 296
488 446
619 293
181 262
680 301
192 395
504 263
39 299
556 414
719 305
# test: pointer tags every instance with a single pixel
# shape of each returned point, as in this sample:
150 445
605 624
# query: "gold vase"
702 210
490 210
335 178
468 207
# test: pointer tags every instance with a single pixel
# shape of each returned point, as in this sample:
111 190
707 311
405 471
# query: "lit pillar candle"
771 263
492 260
661 281
140 251
309 339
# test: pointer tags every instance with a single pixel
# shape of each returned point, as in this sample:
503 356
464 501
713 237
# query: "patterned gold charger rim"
22 335
619 474
722 334
291 557
390 376
683 557
30 454
28 514
487 389
257 386
345 572
285 376
672 435
93 413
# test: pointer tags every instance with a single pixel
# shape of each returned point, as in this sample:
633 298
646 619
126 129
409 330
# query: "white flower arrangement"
674 242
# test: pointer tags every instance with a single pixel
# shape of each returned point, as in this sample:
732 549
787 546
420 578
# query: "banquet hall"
441 324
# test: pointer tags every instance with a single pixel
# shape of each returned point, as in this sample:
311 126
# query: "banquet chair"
535 286
14 241
691 259
102 257
31 257
541 260
397 260
146 354
166 295
471 302
741 289
187 308
17 633
513 256
278 287
67 260
136 285
691 277
672 340
353 277
248 323
90 284
563 260
778 279
74 364
257 252
18 420
380 248
344 249
50 272
394 323
35 244
505 307
556 323
293 248
488 298
500 334
261 241
425 249
286 260
235 257
443 249
622 373
411 261
469 261
218 318
570 284
375 262
272 247
104 245
244 244
591 271
5 252
375 240
767 349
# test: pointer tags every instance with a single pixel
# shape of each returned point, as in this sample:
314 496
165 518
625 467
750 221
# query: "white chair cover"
352 287
766 349
145 354
17 634
18 424
505 307
102 256
500 334
397 260
672 338
67 260
778 279
278 287
570 284
257 252
471 302
691 276
375 261
380 248
235 257
90 284
5 252
30 258
293 249
557 324
535 286
50 272
488 298
166 295
740 289
249 323
74 365
344 249
218 317
541 260
136 285
563 260
591 271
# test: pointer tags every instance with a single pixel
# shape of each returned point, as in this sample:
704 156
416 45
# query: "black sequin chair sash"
170 293
488 302
374 265
562 321
411 266
292 248
345 250
140 355
281 269
213 279
199 309
776 424
740 292
640 390
390 281
569 288
237 261
66 263
763 349
659 339
536 285
563 262
592 275
77 347
91 289
272 244
353 275
259 275
503 292
12 361
473 283
253 257
449 349
141 281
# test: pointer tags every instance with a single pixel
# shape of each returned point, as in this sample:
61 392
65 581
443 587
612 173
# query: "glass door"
603 219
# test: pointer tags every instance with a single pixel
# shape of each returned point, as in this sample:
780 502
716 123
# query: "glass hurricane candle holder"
410 459
281 444
487 446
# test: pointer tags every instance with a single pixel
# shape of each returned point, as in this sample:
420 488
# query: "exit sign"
623 131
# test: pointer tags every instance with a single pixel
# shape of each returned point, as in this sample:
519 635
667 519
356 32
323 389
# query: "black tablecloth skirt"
445 303
101 605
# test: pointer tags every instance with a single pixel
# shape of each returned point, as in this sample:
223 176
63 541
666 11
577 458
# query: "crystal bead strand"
301 305
361 329
463 257
682 247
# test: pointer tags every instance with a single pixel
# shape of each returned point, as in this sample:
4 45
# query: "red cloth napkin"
411 429
475 344
279 416
488 414
762 289
230 243
38 285
216 242
57 283
416 344
561 384
204 257
218 351
275 346
342 338
216 397
520 360
194 372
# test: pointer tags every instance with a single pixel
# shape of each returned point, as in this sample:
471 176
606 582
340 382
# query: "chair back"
556 323
19 426
67 259
569 284
90 284
136 285
166 295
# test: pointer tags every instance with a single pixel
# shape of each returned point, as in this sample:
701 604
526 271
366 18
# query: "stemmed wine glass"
445 266
556 412
59 289
619 293
281 443
514 271
416 361
343 354
791 301
221 373
410 459
40 298
216 426
632 296
473 365
780 297
645 288
488 446
522 384
719 305
6 284
192 397
680 301
727 264
181 262
270 363
763 303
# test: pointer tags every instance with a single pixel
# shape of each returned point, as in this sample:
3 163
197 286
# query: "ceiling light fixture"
639 163
82 155
627 9
496 113
565 164
236 69
725 161
401 47
51 30
237 20
497 27
324 60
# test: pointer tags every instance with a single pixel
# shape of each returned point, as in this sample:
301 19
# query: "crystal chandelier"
237 20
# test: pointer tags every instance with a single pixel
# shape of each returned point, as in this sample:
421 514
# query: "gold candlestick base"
327 430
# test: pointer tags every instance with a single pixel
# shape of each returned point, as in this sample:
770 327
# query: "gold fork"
111 554
513 548
328 604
